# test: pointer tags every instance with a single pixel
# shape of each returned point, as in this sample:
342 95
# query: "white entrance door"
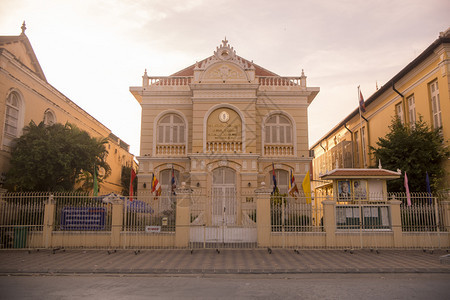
224 197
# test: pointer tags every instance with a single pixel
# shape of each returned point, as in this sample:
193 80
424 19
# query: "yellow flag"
306 185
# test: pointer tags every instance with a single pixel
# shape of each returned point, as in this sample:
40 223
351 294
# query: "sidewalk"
255 261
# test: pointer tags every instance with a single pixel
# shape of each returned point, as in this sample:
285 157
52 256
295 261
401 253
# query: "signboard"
83 218
152 229
224 125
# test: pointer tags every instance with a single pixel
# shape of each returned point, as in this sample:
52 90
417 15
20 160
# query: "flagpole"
361 128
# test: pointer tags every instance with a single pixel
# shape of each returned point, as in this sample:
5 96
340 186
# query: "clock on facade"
224 116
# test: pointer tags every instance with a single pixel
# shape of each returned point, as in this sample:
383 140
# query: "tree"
414 150
53 158
125 180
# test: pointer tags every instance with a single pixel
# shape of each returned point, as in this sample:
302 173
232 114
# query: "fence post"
183 216
329 222
446 215
117 222
263 216
49 220
396 222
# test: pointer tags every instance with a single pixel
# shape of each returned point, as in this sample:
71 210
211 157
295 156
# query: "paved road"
210 286
227 262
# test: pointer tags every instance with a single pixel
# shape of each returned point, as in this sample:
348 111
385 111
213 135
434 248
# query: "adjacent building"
421 89
26 95
223 126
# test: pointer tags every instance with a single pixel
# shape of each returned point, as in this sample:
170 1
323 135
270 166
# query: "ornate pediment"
224 66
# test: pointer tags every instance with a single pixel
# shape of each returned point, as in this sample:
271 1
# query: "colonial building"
421 89
26 95
222 125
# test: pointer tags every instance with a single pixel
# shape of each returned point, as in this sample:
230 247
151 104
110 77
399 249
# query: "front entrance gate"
226 228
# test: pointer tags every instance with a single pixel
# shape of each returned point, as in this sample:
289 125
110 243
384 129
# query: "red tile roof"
352 173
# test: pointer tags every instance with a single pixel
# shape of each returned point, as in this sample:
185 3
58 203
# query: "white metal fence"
190 220
21 216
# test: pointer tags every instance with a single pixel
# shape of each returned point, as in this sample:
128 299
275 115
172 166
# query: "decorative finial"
379 164
225 41
376 85
24 27
303 72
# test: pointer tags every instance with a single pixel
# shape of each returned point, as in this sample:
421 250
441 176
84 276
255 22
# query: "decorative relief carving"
223 163
224 131
224 72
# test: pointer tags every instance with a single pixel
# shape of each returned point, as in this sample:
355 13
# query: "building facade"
421 89
26 95
222 126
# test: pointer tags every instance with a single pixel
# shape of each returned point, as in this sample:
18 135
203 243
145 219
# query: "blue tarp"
139 206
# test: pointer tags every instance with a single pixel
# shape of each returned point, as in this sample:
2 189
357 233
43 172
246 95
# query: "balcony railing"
170 80
170 150
279 150
224 147
279 81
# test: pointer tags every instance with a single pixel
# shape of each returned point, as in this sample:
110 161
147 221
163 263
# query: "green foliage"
125 181
52 158
277 198
416 150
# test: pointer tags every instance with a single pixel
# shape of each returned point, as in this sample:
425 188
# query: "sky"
92 51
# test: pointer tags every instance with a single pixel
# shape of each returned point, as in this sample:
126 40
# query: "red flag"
132 177
362 104
156 187
408 195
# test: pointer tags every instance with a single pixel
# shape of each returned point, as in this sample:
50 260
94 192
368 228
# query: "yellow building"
25 95
420 89
222 124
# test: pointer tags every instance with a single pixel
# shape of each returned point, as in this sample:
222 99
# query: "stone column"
396 224
116 222
329 222
183 216
49 220
263 224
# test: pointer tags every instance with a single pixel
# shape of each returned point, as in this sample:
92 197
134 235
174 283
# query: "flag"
306 185
427 179
95 182
132 177
173 184
274 177
293 190
362 104
408 195
156 187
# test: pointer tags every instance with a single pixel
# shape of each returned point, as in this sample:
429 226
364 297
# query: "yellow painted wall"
38 96
381 111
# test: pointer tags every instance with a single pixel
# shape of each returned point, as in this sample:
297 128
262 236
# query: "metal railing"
21 217
67 220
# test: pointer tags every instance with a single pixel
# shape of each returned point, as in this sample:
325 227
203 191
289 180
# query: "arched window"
278 130
49 117
224 176
13 118
282 177
171 130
